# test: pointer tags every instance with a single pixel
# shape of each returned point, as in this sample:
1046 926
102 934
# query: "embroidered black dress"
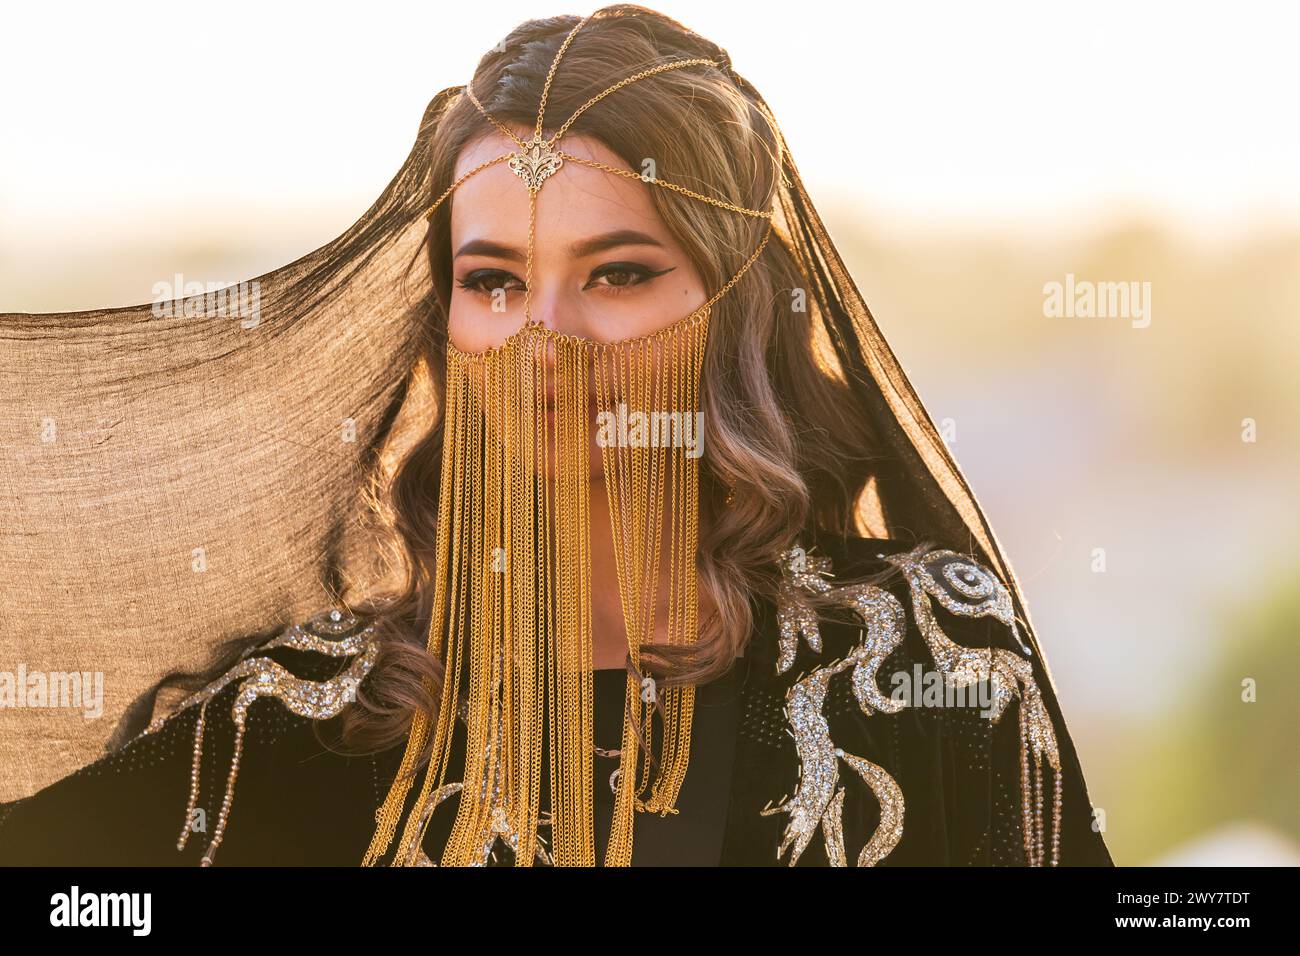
804 754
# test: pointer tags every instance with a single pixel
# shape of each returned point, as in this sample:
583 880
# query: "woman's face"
605 266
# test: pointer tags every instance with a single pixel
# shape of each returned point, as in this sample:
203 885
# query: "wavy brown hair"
788 447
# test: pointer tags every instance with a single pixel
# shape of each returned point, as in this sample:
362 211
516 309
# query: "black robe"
776 776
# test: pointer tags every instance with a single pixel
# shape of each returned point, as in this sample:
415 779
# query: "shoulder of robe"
846 607
313 668
916 596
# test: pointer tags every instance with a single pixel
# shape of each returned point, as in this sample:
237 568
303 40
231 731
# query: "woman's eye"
486 281
623 275
613 278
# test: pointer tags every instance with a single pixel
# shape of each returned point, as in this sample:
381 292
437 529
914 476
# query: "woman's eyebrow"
487 247
578 250
619 237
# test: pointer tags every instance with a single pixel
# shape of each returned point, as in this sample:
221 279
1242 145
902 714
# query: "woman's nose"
552 308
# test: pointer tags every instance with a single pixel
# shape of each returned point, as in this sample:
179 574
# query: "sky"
120 117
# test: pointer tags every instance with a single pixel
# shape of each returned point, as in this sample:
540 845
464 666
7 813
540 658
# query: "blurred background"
1139 468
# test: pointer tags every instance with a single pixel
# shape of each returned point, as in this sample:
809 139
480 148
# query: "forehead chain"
537 160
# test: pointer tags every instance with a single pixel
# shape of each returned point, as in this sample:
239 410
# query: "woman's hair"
786 437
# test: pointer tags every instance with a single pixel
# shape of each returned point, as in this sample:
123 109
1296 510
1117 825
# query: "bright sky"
934 111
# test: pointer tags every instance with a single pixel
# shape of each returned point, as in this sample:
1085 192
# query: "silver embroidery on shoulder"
818 800
332 633
795 619
964 587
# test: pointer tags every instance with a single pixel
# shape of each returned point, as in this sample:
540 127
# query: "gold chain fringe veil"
513 582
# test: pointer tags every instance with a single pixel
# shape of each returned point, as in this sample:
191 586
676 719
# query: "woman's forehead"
575 201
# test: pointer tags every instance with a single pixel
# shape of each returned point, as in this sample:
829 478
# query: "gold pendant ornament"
535 163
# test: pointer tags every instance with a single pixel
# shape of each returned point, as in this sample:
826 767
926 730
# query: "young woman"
688 577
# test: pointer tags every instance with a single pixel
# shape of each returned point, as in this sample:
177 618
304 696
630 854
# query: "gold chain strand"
561 829
682 549
570 738
502 769
521 563
683 562
523 147
528 267
644 506
642 501
565 825
632 174
538 534
459 849
652 71
618 850
496 754
475 745
550 74
445 633
466 826
579 406
648 549
571 416
389 813
477 169
458 580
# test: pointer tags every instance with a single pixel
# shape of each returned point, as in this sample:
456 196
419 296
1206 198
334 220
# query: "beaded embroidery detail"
332 633
964 587
818 800
961 586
